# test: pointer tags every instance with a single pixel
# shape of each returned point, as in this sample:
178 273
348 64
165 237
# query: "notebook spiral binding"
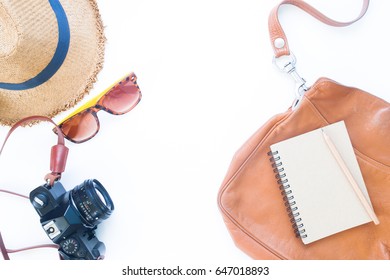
287 194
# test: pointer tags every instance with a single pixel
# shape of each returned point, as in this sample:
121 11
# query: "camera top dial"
70 246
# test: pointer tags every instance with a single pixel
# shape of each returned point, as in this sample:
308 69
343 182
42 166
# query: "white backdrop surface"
206 74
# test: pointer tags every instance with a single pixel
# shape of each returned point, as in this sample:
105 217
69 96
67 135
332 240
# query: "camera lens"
92 201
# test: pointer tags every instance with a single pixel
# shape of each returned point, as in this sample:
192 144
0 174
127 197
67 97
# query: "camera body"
70 218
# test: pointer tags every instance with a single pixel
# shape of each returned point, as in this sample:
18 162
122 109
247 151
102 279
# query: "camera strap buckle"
52 177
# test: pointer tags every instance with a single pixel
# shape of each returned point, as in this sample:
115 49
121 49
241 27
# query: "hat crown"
31 36
50 59
8 34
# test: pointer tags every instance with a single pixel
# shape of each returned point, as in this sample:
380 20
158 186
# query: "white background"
206 74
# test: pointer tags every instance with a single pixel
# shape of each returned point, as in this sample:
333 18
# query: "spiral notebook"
318 194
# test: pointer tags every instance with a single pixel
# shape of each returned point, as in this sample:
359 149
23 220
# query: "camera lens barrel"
92 201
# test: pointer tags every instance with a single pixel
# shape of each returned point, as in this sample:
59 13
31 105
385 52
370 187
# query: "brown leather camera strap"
59 152
5 252
277 35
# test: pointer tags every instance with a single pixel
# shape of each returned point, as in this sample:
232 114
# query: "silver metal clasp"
287 64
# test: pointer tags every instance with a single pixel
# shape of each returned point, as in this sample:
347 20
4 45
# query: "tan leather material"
58 157
252 204
276 30
59 152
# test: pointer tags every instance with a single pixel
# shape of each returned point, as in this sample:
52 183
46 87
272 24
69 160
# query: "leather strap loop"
59 152
277 35
50 178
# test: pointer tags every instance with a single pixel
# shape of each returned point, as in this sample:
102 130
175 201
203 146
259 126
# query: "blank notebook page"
326 201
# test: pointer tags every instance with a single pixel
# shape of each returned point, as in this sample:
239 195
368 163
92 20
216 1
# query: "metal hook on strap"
286 64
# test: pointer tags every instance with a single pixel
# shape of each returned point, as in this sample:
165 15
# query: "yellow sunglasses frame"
95 99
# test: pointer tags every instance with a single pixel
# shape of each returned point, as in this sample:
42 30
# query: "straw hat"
50 54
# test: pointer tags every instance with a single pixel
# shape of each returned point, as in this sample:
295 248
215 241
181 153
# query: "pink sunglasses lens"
81 127
122 98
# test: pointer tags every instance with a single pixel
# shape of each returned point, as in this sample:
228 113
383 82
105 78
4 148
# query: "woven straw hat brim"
28 41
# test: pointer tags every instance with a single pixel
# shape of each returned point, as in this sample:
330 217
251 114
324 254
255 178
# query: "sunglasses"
120 98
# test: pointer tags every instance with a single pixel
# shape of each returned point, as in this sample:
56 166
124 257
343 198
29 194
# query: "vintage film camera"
70 218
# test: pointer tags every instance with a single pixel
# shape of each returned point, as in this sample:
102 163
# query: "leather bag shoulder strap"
277 35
